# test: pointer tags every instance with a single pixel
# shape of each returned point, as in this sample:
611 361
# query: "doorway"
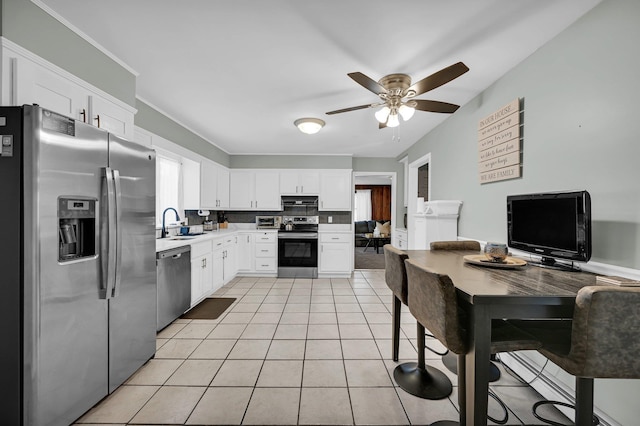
374 202
419 186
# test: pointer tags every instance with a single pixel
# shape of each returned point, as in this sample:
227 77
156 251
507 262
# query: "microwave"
268 222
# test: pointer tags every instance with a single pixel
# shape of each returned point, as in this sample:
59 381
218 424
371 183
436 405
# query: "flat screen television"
553 225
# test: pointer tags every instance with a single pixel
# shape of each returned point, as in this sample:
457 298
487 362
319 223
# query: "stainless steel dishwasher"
174 284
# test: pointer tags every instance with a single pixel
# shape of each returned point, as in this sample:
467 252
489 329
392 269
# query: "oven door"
297 255
298 250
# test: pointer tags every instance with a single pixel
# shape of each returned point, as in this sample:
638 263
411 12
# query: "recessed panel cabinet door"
336 191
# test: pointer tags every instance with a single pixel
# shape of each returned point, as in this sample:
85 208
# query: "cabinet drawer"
335 238
217 243
200 249
266 237
266 250
266 264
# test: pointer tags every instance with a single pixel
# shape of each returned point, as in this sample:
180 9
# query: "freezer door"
132 307
65 320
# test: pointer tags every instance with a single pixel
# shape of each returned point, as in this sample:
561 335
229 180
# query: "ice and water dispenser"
76 228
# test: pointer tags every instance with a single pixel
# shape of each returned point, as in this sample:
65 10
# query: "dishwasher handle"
175 253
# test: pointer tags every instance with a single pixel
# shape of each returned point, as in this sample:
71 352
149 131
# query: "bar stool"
433 301
395 276
600 342
449 359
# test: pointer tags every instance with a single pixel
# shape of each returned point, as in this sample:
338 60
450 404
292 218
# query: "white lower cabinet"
218 263
257 253
245 252
400 239
266 252
335 253
230 268
201 271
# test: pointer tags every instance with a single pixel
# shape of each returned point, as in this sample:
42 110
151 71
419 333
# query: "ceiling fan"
397 94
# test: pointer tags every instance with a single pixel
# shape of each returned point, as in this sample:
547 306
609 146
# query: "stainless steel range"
298 247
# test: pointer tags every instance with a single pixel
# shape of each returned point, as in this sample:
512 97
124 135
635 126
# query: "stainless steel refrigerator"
77 264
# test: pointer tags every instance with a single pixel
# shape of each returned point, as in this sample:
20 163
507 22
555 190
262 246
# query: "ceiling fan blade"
439 78
382 125
355 108
435 106
367 82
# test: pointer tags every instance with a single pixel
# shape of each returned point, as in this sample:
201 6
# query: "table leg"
476 371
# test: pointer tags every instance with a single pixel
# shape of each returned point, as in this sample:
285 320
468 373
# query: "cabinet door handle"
301 189
83 113
335 238
98 120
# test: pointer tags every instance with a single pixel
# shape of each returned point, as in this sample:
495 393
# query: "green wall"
150 119
27 25
580 109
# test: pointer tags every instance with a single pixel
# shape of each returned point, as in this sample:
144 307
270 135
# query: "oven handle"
297 236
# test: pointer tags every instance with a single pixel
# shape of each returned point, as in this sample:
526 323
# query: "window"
362 205
168 184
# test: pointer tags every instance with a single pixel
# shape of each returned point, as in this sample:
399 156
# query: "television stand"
551 263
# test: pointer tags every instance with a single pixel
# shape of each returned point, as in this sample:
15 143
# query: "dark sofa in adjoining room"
364 227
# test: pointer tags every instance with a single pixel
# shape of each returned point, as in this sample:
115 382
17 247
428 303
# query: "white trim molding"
27 54
55 15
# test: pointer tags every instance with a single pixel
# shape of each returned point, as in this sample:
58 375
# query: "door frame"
394 179
412 195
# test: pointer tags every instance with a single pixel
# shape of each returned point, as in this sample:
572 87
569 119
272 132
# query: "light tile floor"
287 352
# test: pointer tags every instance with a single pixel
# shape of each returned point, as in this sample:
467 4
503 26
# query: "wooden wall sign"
499 147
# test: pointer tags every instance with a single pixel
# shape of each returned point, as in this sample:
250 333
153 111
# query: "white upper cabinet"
30 79
254 190
294 182
214 186
336 191
109 116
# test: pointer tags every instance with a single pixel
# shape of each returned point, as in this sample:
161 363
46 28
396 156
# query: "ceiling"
239 72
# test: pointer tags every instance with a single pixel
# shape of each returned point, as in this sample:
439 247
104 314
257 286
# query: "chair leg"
420 379
450 360
397 307
584 400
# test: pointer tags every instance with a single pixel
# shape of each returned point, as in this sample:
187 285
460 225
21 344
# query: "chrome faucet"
164 232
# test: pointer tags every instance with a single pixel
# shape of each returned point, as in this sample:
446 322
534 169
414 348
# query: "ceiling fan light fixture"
393 120
382 114
309 125
406 111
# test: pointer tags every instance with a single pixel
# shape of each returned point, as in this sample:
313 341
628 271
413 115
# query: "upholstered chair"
601 341
396 278
450 360
433 301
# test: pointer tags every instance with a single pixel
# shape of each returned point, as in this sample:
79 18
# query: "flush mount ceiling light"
309 125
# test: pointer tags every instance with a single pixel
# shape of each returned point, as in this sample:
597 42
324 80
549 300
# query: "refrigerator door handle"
108 235
118 226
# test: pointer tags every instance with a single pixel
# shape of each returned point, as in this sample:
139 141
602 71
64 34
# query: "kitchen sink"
180 238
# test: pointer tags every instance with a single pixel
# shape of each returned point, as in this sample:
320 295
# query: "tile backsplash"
337 217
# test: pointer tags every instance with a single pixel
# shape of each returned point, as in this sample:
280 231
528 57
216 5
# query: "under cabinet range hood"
299 201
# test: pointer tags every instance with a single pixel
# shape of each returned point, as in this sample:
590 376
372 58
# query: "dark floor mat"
209 308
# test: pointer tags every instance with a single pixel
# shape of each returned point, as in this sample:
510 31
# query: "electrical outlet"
330 219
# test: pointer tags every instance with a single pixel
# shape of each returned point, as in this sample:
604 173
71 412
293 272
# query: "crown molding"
29 55
185 126
84 36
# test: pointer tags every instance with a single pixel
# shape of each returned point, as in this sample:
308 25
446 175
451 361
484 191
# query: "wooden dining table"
486 293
